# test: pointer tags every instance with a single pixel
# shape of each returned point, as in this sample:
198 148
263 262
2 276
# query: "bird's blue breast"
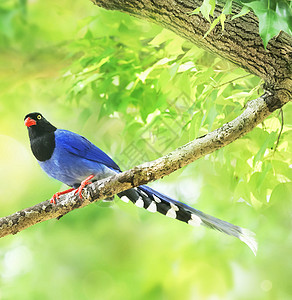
75 158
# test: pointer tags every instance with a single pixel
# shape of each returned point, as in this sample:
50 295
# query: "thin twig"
230 81
281 128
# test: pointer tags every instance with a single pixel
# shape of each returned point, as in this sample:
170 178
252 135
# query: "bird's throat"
43 146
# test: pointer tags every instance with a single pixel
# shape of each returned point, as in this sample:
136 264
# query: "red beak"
29 122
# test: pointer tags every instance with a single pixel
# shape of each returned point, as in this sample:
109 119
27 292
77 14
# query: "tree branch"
255 112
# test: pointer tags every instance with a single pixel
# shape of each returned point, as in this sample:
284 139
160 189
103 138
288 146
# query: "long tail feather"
145 197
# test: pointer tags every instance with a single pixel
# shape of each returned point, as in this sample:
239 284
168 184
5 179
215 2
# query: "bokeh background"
137 91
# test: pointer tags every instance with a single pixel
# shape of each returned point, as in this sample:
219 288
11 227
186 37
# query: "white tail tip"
248 237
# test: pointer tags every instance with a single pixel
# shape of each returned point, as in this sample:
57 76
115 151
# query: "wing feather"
79 146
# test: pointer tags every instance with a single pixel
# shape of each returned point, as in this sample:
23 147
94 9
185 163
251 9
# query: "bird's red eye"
29 122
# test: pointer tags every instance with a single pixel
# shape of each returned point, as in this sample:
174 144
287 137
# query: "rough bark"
239 43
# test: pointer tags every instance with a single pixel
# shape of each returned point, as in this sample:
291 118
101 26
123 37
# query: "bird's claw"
57 195
54 198
83 184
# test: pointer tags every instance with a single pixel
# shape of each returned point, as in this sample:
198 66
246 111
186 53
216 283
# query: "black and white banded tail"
145 197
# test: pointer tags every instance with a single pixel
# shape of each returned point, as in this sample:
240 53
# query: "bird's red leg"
58 194
83 184
79 190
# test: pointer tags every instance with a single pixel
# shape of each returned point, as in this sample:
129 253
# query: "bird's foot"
83 184
58 194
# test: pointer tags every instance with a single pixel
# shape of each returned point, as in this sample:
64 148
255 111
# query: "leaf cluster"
274 15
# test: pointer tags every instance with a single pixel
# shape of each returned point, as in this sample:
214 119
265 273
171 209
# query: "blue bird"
75 161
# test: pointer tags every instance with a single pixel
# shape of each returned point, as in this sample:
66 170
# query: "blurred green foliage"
137 91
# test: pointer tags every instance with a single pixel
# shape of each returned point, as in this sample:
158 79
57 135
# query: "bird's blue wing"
81 147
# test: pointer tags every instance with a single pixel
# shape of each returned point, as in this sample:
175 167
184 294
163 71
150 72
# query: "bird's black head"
37 125
41 135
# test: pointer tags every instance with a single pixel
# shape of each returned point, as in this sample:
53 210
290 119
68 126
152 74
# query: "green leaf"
196 11
284 12
85 22
271 21
243 12
207 8
268 143
282 192
214 23
163 36
227 7
222 20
